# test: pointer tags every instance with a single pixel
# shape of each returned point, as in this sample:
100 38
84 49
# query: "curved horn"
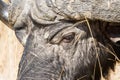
4 12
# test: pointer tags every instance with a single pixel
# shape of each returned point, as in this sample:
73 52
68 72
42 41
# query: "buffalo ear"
4 12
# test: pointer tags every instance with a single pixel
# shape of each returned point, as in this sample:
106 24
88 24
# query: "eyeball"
67 38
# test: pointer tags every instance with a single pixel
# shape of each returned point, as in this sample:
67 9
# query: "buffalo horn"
4 12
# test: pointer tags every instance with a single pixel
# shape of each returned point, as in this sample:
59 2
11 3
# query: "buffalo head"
60 46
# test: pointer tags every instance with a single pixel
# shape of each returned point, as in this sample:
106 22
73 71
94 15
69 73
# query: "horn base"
4 12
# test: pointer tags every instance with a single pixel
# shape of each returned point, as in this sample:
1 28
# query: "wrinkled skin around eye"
66 51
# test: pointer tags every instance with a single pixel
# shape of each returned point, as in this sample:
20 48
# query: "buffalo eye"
67 38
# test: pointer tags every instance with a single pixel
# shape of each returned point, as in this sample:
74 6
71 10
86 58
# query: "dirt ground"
115 75
10 53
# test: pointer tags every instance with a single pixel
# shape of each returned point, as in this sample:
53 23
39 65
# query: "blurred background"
10 53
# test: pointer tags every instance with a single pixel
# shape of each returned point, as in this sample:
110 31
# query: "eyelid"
57 40
59 37
70 33
56 32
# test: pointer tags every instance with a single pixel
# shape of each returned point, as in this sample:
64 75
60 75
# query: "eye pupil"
68 38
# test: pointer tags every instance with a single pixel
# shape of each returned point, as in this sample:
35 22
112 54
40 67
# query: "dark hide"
66 51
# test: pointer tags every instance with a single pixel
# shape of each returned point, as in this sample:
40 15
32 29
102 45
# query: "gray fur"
59 42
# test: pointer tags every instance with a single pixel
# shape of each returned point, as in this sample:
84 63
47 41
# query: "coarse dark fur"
66 50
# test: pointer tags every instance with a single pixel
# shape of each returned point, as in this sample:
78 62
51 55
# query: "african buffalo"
65 40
